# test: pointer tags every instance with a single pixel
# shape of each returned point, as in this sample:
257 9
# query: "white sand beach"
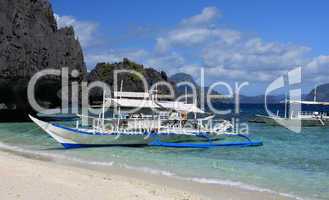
26 178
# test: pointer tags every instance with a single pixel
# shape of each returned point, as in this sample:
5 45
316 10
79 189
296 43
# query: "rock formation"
30 41
105 72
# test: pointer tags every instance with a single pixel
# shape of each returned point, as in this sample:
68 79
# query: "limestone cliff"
30 41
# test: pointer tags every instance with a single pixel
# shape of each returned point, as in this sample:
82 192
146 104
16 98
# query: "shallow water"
289 163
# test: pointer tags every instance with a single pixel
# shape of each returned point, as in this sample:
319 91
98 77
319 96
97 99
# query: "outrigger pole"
208 144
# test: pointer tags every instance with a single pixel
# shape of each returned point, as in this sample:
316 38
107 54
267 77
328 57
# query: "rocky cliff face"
30 41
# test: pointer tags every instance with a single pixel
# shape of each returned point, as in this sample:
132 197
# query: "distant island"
320 92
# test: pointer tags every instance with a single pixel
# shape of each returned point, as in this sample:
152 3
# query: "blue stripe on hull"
169 144
72 146
205 145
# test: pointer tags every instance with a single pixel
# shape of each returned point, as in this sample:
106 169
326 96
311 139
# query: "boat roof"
146 103
131 103
132 94
311 102
180 106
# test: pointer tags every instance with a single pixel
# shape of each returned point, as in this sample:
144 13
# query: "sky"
233 41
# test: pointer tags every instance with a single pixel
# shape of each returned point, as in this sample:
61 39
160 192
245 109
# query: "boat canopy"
146 103
310 102
143 95
131 103
180 106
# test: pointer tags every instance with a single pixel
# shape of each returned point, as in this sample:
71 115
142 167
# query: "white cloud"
207 15
191 36
196 30
162 45
316 69
254 54
169 62
318 64
227 54
85 30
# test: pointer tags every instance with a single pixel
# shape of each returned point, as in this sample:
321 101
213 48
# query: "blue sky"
254 41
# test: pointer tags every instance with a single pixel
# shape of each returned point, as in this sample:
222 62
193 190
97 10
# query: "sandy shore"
25 178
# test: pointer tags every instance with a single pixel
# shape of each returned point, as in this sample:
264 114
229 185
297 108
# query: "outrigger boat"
303 118
167 126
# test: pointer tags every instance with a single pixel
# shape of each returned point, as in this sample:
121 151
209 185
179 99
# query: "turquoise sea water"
288 163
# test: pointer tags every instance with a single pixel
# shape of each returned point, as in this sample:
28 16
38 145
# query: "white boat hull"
72 138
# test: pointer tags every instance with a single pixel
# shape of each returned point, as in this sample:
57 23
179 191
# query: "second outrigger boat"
316 117
166 125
